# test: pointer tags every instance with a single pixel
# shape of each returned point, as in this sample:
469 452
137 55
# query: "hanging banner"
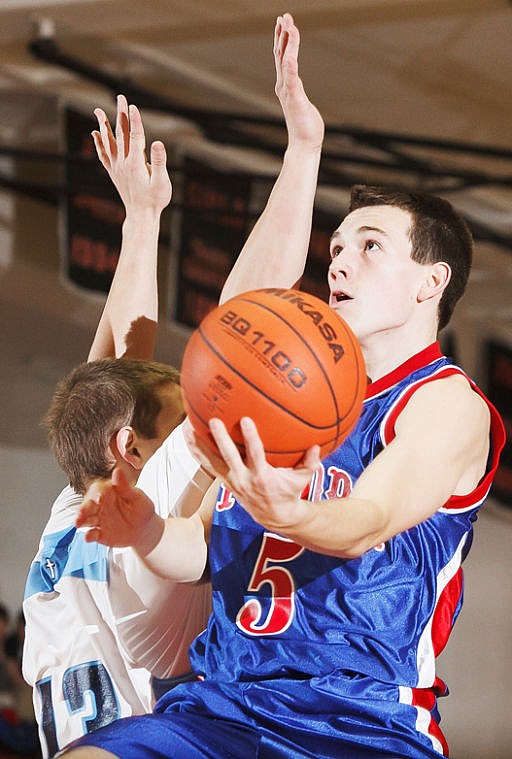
213 230
91 209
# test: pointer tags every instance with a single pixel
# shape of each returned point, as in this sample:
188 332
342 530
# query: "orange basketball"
283 358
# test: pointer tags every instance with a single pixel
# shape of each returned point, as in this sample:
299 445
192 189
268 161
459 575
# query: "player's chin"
346 310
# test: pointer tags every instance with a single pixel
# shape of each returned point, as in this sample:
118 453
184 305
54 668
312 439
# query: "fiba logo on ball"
285 359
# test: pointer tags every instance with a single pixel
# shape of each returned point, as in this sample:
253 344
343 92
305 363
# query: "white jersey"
99 624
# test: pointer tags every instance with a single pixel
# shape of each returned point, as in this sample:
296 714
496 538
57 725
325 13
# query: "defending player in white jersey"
98 624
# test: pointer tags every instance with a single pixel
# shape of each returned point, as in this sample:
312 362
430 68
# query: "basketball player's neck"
385 351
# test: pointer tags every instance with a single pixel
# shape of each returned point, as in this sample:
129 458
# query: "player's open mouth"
339 297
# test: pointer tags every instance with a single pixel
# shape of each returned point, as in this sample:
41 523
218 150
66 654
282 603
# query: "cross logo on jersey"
50 566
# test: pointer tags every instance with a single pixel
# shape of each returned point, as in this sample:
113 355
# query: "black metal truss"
351 154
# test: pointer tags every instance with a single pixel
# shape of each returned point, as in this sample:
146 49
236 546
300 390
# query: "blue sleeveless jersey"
330 652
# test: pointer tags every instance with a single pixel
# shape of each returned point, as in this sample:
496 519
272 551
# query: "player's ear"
436 279
125 440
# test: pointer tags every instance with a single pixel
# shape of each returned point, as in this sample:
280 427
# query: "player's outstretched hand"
139 183
119 514
271 495
303 120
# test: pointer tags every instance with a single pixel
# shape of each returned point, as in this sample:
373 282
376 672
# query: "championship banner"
213 230
91 210
499 392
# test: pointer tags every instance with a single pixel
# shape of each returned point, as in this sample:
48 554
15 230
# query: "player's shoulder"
67 498
453 385
452 396
64 510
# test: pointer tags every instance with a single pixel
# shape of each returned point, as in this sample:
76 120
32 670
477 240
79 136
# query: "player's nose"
340 268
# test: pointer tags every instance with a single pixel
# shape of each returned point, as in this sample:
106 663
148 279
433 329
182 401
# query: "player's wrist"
290 518
300 149
140 227
137 216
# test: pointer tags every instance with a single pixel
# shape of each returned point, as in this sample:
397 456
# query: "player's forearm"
342 527
276 250
129 320
174 548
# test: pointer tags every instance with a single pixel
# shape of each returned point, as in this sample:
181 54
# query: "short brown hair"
93 402
438 233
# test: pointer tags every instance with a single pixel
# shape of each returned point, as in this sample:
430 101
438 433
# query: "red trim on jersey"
442 621
425 698
498 439
423 358
497 433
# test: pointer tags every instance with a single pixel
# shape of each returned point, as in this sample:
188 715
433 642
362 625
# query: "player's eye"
371 246
335 251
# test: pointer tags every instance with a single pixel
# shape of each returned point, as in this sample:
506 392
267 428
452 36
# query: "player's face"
170 415
372 279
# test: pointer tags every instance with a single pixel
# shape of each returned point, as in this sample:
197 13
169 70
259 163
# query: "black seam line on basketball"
255 387
267 308
268 451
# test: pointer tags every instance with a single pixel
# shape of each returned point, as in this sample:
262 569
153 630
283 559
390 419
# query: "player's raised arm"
275 252
129 320
119 514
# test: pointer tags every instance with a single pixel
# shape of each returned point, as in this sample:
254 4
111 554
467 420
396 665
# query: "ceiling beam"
352 13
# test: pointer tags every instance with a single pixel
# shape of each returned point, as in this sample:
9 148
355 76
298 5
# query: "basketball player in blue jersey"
336 583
